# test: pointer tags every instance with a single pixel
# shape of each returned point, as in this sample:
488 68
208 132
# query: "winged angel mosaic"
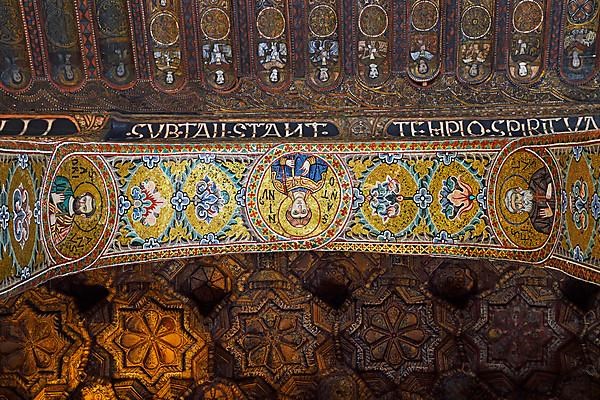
76 206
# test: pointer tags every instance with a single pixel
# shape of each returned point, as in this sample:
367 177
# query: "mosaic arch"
67 206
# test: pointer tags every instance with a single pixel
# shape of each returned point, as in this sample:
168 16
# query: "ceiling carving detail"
297 56
304 325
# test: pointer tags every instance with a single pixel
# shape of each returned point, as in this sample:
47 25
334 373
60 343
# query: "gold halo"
303 231
88 224
511 182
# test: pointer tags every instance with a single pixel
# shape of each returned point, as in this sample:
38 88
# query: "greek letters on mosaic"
374 41
527 30
494 198
165 40
475 54
324 43
217 41
114 42
271 43
62 43
579 42
425 40
15 71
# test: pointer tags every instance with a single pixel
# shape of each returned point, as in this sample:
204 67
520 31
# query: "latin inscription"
493 128
121 130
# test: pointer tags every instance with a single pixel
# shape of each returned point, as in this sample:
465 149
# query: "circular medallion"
322 21
78 203
112 20
164 29
373 21
270 23
296 196
476 22
581 11
525 199
424 15
528 16
215 24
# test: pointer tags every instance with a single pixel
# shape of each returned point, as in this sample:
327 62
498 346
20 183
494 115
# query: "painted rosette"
298 199
374 41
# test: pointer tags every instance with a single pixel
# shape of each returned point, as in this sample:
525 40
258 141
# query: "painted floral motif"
386 236
446 157
385 198
578 254
443 238
150 243
150 161
272 339
23 161
209 200
596 206
22 215
240 197
423 198
124 205
180 201
390 158
4 217
151 341
209 238
578 205
206 158
577 152
357 198
394 335
32 345
37 213
147 203
456 197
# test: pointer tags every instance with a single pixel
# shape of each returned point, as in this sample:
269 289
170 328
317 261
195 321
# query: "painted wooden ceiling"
310 326
297 56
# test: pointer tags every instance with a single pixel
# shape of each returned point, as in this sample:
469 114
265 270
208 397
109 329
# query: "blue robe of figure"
287 180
